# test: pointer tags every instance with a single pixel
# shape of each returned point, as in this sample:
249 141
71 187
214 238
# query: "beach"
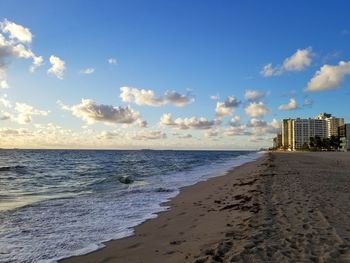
284 207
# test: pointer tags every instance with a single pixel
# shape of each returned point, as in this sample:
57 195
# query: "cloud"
257 123
260 127
4 101
329 77
268 70
25 113
182 136
16 32
109 135
254 95
214 97
149 135
300 60
9 132
227 107
148 97
308 102
235 131
57 67
87 71
141 123
187 123
5 116
3 84
235 121
15 42
112 61
49 136
291 105
19 112
256 110
211 133
91 112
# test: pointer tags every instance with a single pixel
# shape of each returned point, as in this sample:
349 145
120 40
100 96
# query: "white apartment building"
332 123
304 129
297 132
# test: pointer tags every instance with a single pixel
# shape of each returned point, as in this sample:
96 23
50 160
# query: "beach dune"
284 207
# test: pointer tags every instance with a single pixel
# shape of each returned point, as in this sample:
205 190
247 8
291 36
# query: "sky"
168 74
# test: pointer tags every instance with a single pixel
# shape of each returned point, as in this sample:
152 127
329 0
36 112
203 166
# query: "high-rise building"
296 133
287 133
332 123
344 135
332 126
304 129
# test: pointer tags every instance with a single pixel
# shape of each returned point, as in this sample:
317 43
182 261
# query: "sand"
285 207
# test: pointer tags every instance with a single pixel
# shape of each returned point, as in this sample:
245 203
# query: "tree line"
322 144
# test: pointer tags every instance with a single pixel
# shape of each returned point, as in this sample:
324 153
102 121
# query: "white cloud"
256 110
141 123
47 135
254 95
235 121
268 70
329 77
5 102
91 112
257 123
235 131
227 107
300 60
87 71
19 112
37 61
9 132
109 135
148 97
149 135
308 102
187 123
214 97
260 127
112 61
4 84
16 31
291 105
211 133
57 67
183 136
15 42
25 113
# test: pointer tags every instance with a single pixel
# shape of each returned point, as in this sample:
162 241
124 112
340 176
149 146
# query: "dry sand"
285 207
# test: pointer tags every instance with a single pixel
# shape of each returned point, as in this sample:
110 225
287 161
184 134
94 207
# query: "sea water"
59 203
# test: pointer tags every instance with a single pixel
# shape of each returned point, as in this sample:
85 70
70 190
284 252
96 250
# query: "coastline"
179 207
282 207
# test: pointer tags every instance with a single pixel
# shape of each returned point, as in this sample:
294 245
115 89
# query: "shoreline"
283 207
170 205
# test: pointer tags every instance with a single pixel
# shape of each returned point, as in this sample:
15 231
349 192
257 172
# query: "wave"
11 168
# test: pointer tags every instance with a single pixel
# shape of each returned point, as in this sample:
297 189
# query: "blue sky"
195 49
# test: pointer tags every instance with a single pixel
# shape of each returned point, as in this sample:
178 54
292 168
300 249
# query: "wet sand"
285 207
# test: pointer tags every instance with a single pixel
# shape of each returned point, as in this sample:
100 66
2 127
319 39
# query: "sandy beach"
284 207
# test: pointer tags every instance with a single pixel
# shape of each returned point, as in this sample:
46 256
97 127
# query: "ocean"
59 203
